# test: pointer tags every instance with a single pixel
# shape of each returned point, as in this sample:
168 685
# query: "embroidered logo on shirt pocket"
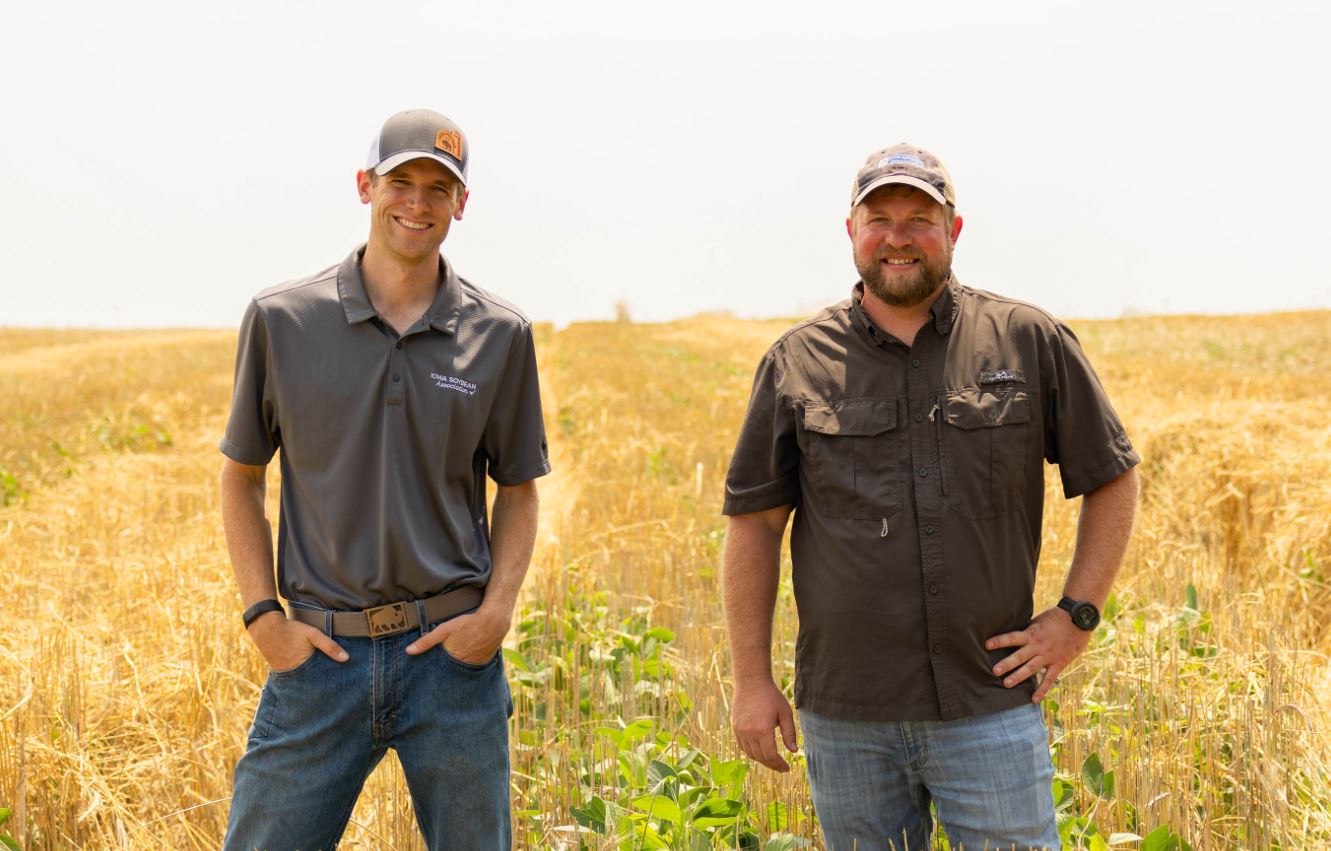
984 451
851 457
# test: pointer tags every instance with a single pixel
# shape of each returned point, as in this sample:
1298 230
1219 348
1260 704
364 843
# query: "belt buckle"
387 620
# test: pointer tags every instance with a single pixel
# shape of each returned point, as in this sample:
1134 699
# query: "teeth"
412 225
892 262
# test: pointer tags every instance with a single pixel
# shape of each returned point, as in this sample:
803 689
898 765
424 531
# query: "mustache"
887 254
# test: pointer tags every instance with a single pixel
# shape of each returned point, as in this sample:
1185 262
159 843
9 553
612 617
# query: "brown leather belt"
394 617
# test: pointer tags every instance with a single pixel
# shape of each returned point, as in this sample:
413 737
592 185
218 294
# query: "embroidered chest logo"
452 382
1002 376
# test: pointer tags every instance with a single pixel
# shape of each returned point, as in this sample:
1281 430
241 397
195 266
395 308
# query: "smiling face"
902 241
411 208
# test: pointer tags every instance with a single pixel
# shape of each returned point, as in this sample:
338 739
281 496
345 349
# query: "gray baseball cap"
419 133
906 164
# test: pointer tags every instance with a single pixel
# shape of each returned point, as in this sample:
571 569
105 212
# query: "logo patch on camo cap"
907 165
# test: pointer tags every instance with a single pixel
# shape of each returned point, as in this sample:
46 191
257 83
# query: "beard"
904 290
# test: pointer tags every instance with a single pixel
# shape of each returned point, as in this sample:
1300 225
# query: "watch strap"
262 607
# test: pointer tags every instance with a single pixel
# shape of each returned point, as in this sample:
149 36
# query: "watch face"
1086 616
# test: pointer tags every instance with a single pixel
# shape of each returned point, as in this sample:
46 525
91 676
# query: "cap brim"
906 179
406 156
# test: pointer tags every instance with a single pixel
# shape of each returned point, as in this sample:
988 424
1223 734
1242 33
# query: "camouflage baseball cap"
907 164
419 133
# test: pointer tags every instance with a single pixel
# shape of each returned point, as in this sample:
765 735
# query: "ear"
956 228
363 186
457 214
850 227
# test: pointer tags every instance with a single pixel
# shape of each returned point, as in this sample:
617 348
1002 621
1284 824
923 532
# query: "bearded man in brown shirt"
906 428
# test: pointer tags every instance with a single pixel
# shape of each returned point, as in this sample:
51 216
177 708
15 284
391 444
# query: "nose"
897 235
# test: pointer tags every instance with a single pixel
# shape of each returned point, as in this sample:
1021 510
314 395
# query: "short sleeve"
252 434
764 471
514 440
1083 435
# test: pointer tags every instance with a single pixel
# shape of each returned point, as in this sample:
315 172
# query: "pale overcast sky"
165 161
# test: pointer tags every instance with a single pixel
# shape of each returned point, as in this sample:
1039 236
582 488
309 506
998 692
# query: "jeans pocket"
291 672
474 667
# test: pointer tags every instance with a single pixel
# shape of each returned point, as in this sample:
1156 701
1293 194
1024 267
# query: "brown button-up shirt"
916 474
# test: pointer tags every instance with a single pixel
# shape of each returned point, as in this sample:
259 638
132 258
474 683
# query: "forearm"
512 538
750 574
1103 529
249 538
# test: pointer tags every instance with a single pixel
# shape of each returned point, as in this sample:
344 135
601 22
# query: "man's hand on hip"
758 710
285 644
1050 644
473 638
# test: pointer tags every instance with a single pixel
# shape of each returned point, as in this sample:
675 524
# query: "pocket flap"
975 407
851 417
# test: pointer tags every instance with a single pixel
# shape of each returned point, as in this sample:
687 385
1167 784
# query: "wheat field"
1198 718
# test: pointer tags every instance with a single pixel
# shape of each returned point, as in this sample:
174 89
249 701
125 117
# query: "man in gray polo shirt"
392 387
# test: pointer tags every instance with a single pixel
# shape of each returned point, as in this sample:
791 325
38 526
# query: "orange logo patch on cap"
449 141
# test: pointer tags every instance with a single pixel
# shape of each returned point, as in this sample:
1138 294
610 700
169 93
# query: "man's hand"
1050 643
285 644
758 710
473 638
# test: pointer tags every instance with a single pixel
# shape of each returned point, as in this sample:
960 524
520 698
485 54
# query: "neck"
393 280
901 322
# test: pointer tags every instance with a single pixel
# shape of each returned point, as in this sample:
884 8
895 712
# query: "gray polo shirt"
386 440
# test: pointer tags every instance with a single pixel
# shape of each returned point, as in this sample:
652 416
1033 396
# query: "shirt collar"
943 311
442 315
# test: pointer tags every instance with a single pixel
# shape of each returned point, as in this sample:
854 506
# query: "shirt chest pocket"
985 440
851 458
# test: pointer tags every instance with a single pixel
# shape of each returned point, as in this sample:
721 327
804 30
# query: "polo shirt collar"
442 315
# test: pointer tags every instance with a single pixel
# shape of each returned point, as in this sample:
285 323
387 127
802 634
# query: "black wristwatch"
1085 616
262 607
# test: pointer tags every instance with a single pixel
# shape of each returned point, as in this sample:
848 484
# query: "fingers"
786 718
1023 673
324 643
434 636
763 749
1047 682
1008 639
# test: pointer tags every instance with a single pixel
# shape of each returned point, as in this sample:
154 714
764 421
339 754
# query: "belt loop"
420 611
328 622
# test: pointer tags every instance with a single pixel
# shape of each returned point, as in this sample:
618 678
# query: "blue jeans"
988 778
322 727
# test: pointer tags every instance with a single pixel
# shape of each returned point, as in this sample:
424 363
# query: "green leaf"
9 843
1064 795
785 842
660 633
1160 839
717 812
516 660
1098 780
1123 838
778 817
659 807
730 775
592 816
1191 597
5 813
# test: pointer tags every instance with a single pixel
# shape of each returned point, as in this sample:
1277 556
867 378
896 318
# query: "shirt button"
915 362
398 344
938 648
933 589
924 472
397 376
919 418
928 530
